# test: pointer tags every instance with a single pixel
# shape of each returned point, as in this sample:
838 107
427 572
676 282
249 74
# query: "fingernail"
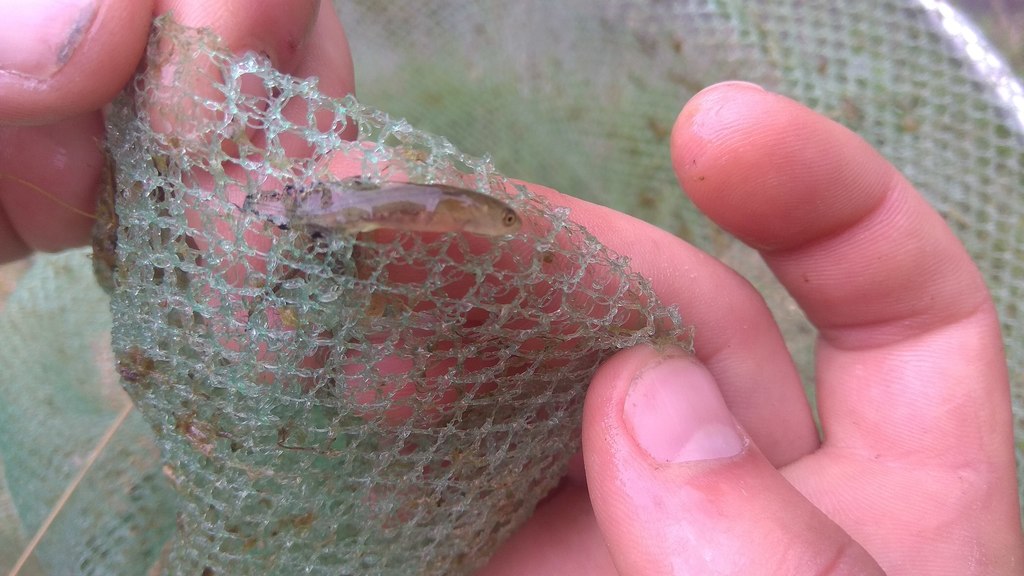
734 84
742 84
37 38
676 413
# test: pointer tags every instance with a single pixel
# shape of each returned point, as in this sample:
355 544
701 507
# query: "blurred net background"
580 96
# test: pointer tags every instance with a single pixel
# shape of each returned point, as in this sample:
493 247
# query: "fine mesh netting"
581 96
324 401
121 514
396 402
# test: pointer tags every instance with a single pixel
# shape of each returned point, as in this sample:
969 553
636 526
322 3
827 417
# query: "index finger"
911 369
60 147
842 229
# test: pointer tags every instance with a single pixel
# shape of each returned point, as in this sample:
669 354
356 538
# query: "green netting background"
577 95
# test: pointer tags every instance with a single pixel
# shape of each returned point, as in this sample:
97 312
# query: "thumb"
61 58
678 487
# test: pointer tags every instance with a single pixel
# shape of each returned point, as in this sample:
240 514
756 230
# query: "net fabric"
57 397
389 402
590 90
578 95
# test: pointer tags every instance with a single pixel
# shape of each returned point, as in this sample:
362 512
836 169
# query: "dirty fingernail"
38 37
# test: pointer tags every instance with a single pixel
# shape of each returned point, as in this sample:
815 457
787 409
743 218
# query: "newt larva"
351 206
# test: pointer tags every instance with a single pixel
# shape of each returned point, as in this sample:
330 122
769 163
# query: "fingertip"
277 28
49 177
648 408
700 121
627 460
328 56
772 171
674 412
301 38
62 59
842 229
677 487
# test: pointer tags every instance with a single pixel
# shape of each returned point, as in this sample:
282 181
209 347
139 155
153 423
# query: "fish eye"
509 218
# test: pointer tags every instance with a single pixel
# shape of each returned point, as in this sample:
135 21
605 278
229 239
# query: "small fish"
352 205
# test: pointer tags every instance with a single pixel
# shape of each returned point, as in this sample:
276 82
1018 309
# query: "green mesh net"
120 514
330 402
396 402
581 96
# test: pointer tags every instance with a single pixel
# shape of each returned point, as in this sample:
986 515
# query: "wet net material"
385 402
581 96
280 366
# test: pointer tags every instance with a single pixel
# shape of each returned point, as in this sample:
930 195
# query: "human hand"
713 465
916 475
61 62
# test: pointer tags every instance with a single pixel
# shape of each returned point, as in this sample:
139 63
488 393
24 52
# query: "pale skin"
915 474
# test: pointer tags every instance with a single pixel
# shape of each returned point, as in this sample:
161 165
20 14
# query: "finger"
295 36
560 538
327 55
735 335
753 360
64 159
59 63
843 230
299 38
276 28
49 176
67 57
678 488
912 383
